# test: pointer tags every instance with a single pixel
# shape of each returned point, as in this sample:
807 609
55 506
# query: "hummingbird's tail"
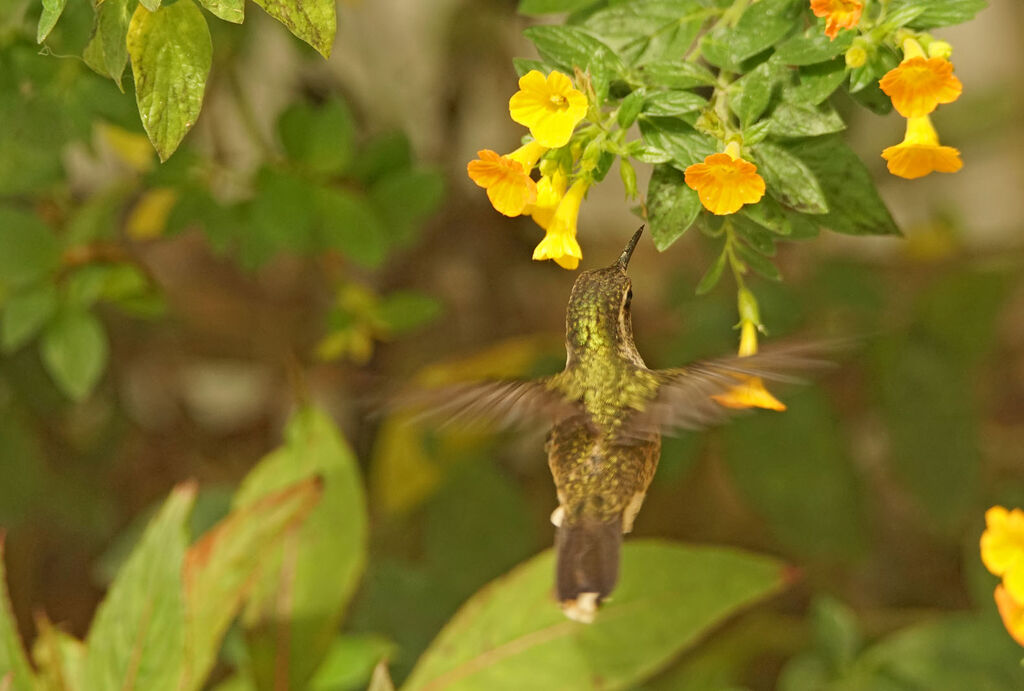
587 565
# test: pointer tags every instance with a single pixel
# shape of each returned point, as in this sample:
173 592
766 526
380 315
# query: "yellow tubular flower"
839 14
550 190
560 241
750 392
507 178
551 107
919 84
725 182
1011 612
920 152
1002 548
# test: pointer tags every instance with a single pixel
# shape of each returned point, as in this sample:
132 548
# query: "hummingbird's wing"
685 398
496 403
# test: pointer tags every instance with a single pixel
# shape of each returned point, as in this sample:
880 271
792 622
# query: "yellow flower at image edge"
1011 612
507 178
725 182
920 152
559 242
550 106
1002 548
750 392
839 14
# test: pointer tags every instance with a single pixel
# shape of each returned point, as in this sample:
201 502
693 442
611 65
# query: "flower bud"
940 49
856 56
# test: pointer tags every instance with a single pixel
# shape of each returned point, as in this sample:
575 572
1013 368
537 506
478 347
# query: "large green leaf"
171 52
813 46
762 25
793 469
512 635
314 21
228 10
107 52
672 206
74 350
647 30
137 638
52 10
677 139
300 596
940 12
15 672
220 567
59 657
789 179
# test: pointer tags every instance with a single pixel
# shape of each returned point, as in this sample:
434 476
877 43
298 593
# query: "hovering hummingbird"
607 411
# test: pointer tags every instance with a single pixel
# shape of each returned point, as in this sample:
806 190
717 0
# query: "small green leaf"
768 214
229 10
940 12
836 632
672 206
321 137
25 313
405 199
813 46
15 672
677 139
348 223
793 120
52 10
112 20
671 74
405 310
647 30
350 661
568 47
789 179
758 262
751 93
171 53
30 250
817 82
74 351
281 217
313 21
630 108
711 277
137 638
673 103
512 635
539 7
762 25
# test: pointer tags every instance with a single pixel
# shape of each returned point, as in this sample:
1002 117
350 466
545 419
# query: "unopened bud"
628 174
747 304
940 49
856 56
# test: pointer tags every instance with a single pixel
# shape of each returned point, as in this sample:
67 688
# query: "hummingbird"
606 412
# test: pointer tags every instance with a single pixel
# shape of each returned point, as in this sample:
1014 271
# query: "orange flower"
1011 612
750 392
919 84
507 178
920 152
725 182
839 14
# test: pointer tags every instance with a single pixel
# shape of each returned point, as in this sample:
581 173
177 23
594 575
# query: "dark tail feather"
588 565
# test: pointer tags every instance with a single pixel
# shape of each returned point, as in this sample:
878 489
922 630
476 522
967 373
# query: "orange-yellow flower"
750 392
559 242
920 152
507 178
1002 548
551 107
1012 613
725 182
839 14
550 190
919 84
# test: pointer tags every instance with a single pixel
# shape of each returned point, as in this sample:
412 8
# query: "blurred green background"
316 236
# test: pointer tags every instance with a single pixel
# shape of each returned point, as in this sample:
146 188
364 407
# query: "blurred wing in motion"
685 399
499 403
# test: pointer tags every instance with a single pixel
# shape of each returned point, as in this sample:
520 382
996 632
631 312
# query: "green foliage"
14 667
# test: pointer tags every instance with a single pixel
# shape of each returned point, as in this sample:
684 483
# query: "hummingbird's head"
598 317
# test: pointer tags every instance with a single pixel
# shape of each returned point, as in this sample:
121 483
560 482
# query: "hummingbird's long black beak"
630 246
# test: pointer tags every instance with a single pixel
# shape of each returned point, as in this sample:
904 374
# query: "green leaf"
52 10
404 199
757 261
15 672
677 139
137 638
538 7
793 469
30 250
383 154
813 46
789 179
74 351
768 214
711 277
762 25
854 206
672 74
24 314
881 59
229 10
321 138
151 5
940 12
300 595
313 21
817 82
568 47
836 632
108 40
672 206
405 310
630 108
750 95
512 635
219 568
281 217
673 103
793 120
646 30
171 52
59 657
349 224
350 662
